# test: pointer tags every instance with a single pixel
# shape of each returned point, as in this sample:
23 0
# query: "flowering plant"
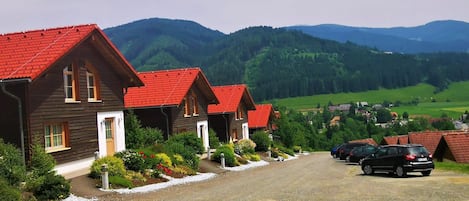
160 167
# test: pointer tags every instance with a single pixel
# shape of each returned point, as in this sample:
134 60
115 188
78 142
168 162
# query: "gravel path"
313 177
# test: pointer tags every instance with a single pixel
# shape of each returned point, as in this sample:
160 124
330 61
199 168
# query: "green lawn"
452 166
453 101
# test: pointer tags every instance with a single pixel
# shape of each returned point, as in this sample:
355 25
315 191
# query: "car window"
392 151
381 152
418 150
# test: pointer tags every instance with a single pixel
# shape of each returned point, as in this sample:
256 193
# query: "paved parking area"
313 177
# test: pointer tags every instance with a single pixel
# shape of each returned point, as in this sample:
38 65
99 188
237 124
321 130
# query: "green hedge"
228 151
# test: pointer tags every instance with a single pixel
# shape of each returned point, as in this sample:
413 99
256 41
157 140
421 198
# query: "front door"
110 135
202 132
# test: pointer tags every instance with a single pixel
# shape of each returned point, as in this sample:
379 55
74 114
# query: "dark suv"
345 149
399 159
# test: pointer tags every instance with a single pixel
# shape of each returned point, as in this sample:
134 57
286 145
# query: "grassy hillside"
452 101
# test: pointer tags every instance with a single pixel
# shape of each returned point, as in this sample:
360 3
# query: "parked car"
334 149
359 153
344 150
399 159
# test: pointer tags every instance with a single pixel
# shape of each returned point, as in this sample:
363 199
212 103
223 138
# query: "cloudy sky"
229 15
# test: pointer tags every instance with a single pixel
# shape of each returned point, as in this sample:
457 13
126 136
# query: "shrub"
115 166
134 176
150 159
241 160
11 164
296 149
137 137
177 159
183 170
165 159
252 157
228 151
41 162
190 140
286 150
119 181
262 141
55 187
213 139
8 192
132 160
246 146
190 157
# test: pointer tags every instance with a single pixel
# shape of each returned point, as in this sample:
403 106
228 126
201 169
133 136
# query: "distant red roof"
29 54
389 140
260 117
168 88
367 140
458 145
230 97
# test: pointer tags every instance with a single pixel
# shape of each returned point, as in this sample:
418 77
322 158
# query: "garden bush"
228 151
165 159
132 160
286 150
246 146
213 139
149 157
251 157
190 157
137 137
189 140
115 166
8 192
262 141
296 149
177 159
12 168
55 187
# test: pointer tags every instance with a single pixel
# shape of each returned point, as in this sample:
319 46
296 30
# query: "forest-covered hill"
437 36
279 63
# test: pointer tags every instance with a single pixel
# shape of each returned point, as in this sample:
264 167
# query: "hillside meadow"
453 101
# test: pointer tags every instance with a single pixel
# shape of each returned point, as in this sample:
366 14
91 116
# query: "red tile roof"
429 139
29 54
230 97
260 117
367 140
389 140
458 145
403 139
167 88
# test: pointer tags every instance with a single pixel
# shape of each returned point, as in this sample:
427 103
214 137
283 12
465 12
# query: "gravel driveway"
313 177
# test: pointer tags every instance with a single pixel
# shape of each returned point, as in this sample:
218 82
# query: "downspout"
167 122
226 128
20 115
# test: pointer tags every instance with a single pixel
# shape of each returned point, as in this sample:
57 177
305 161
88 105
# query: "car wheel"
426 173
400 172
367 169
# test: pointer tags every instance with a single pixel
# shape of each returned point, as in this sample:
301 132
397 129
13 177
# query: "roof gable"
230 97
403 139
389 140
168 88
29 54
458 144
260 117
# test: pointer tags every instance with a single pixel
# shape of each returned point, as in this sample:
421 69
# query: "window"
187 109
239 113
55 136
92 86
70 84
195 105
109 127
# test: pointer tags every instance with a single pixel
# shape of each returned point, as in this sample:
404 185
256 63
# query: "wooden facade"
43 92
171 119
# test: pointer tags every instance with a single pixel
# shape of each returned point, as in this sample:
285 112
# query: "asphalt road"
313 177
